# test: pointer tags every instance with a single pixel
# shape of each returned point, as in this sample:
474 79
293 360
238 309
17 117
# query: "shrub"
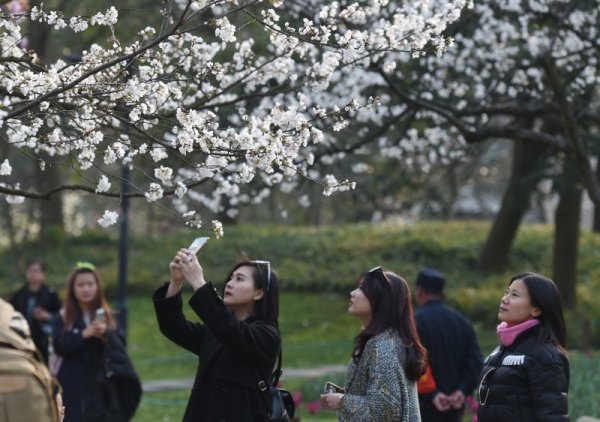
330 259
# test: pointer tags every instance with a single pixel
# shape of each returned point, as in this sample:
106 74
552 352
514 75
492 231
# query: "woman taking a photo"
388 357
526 378
238 339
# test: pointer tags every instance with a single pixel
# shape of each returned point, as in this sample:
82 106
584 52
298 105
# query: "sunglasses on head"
258 264
379 271
484 388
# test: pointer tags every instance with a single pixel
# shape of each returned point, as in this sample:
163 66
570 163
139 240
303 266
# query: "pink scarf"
508 333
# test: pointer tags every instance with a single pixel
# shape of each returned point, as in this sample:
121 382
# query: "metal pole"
123 234
122 286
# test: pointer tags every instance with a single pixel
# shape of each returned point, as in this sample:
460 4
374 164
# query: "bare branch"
579 155
83 188
474 135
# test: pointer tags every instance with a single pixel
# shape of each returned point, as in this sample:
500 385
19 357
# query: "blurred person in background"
97 378
39 304
453 353
388 357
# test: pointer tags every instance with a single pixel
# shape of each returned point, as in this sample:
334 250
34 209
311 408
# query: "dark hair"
267 307
71 307
39 262
545 295
431 281
391 306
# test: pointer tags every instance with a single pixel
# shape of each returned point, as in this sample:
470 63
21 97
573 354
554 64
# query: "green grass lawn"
316 331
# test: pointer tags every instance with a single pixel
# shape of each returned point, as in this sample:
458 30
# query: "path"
290 373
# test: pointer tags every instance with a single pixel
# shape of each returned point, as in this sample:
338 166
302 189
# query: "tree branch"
480 134
98 69
579 155
82 188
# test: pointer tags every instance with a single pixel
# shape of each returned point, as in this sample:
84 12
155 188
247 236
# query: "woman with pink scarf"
526 378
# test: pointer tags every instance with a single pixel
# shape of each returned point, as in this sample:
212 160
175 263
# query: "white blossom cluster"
505 63
494 76
504 56
192 219
217 228
109 218
212 105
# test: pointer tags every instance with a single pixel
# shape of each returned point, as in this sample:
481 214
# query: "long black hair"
267 307
391 305
544 295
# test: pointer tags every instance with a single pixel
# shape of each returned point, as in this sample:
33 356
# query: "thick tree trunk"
8 226
596 226
12 236
525 174
449 201
51 215
566 234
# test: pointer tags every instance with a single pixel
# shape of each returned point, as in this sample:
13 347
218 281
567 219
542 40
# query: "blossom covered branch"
226 92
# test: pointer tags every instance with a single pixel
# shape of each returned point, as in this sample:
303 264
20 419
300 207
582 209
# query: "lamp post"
123 229
123 233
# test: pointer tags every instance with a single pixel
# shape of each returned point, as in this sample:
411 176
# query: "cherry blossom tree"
522 70
219 95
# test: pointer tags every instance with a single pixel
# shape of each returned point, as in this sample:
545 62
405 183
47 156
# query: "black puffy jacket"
526 381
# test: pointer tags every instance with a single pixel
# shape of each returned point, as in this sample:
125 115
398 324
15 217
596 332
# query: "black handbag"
279 402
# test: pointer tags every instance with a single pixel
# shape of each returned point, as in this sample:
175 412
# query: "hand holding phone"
100 315
197 244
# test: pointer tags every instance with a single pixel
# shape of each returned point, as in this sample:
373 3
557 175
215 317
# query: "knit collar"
508 333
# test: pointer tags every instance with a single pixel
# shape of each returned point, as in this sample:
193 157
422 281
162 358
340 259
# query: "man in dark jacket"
453 352
39 303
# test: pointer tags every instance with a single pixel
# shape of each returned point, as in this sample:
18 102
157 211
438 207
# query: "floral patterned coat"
377 388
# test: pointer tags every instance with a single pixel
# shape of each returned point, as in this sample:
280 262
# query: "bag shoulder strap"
277 372
263 383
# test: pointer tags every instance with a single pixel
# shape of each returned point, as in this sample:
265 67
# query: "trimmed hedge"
331 259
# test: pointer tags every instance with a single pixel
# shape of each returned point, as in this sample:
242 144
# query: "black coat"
46 298
123 381
453 353
526 381
231 354
98 380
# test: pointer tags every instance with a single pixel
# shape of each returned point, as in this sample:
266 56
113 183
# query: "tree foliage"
521 70
215 95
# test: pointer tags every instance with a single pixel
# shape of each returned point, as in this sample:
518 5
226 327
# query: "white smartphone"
197 244
100 315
